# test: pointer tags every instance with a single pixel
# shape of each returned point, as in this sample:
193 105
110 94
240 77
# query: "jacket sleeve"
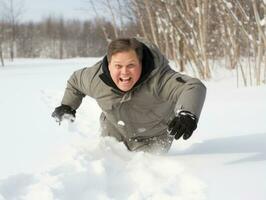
78 86
185 92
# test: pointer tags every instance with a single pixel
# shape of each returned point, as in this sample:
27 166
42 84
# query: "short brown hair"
125 44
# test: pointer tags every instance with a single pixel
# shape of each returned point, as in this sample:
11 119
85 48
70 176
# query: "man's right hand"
64 112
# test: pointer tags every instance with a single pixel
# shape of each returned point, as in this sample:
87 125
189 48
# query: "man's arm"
75 90
78 86
81 83
188 95
186 92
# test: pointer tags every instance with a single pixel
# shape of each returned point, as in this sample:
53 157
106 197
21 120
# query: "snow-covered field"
39 160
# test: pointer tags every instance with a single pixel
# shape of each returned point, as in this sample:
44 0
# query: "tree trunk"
203 15
144 33
264 29
113 18
258 21
61 49
11 46
260 46
148 9
1 56
121 18
259 60
243 74
102 26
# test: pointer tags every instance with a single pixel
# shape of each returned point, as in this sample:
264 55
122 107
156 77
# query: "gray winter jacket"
140 116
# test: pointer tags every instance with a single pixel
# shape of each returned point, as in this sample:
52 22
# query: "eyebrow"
131 61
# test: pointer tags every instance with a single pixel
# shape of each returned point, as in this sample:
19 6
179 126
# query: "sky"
35 10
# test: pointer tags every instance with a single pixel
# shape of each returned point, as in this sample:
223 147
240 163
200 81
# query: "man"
145 103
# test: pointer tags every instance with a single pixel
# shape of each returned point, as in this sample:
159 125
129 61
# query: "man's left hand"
183 125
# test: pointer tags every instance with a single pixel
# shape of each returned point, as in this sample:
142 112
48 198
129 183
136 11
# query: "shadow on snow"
255 143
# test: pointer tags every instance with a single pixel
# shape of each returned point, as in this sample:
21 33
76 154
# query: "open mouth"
125 79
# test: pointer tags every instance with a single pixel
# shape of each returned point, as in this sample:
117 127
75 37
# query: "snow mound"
104 169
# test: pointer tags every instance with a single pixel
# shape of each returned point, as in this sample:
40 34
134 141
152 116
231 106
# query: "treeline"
193 33
54 38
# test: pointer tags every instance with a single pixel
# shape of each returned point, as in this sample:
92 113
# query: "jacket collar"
147 68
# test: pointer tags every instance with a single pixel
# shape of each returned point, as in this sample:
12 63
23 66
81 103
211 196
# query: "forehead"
124 56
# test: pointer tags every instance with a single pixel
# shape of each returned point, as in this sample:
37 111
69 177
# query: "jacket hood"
152 60
159 59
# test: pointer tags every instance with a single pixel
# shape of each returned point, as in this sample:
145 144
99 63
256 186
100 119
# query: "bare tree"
113 17
122 25
136 8
97 15
261 44
199 30
148 8
61 37
12 11
1 42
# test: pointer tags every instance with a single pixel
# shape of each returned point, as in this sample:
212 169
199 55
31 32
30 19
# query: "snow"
228 4
263 22
224 159
121 123
197 9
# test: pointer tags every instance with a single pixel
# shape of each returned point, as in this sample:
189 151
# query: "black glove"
183 125
64 112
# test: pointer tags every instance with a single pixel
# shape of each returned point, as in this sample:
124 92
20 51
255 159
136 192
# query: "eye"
118 66
131 65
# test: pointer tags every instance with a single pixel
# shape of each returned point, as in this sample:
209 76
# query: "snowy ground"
225 158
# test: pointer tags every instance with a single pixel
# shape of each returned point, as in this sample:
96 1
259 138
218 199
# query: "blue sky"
35 10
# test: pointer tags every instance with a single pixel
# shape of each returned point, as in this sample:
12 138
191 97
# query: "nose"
124 70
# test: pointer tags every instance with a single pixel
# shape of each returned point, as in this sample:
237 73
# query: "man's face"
125 69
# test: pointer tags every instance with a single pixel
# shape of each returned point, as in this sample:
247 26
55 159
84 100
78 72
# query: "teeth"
125 79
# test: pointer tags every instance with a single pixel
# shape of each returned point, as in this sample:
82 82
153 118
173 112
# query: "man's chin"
124 89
